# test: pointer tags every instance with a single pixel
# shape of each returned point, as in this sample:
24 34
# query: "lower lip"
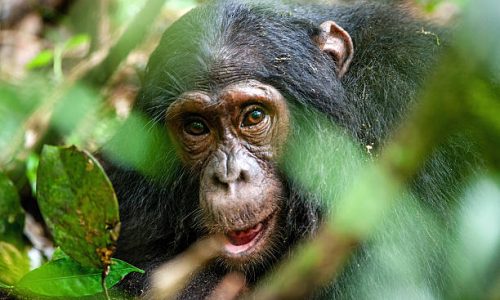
239 250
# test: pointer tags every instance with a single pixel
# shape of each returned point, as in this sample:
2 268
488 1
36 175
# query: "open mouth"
242 242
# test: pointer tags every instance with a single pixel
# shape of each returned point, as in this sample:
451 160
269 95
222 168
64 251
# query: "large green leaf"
64 277
78 204
13 264
11 213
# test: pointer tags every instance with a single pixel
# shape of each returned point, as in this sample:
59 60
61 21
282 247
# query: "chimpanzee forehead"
211 46
232 95
215 46
225 71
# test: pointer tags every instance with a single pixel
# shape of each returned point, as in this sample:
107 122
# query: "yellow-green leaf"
13 263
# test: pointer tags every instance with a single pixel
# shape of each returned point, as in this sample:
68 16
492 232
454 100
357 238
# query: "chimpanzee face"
232 138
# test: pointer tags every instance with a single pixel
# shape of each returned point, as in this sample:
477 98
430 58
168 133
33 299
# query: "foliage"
12 222
64 277
14 263
78 204
67 98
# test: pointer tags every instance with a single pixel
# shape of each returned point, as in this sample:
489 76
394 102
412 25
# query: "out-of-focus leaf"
431 5
356 213
31 168
4 286
64 277
182 5
17 103
307 163
11 213
76 41
13 263
78 204
143 146
405 249
476 259
43 59
77 104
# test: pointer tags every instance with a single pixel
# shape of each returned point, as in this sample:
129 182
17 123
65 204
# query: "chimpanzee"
227 86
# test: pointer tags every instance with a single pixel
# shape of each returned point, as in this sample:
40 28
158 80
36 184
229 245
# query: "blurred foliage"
431 5
50 104
149 151
14 263
12 221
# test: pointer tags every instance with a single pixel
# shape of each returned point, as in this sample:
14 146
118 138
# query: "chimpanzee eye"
253 117
195 127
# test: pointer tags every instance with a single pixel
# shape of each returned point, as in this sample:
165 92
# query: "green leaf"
77 40
12 215
13 263
79 103
141 146
4 286
58 254
65 277
43 59
31 168
78 204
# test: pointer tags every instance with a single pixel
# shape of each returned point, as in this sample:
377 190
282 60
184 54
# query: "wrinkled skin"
232 139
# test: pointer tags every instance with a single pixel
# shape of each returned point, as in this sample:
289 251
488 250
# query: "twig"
169 279
135 33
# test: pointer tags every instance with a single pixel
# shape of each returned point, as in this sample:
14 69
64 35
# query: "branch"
133 36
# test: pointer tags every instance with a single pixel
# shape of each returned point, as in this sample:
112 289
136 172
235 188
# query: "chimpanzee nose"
230 169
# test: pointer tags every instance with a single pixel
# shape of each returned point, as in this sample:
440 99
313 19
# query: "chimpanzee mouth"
240 243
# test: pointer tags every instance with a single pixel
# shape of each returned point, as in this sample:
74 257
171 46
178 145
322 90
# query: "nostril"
226 181
244 176
220 181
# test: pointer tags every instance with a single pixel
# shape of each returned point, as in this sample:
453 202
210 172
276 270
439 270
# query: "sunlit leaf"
43 59
76 41
78 204
31 169
14 263
64 277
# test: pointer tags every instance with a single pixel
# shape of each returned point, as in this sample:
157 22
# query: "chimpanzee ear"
335 41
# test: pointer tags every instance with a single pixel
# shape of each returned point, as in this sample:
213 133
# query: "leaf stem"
105 272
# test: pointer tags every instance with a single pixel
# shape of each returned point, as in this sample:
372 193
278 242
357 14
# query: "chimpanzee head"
225 83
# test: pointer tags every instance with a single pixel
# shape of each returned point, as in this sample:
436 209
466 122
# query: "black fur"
228 41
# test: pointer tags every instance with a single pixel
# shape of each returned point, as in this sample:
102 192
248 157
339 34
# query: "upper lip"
248 227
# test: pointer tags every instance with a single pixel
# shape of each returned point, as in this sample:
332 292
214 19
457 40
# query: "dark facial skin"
231 138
